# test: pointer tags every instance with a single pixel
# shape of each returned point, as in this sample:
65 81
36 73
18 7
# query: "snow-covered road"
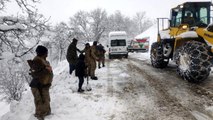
174 97
127 89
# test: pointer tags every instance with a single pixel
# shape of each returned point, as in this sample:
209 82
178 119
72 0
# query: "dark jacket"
80 66
72 53
101 51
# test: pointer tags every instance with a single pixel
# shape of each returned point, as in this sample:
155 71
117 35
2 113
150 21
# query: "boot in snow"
94 78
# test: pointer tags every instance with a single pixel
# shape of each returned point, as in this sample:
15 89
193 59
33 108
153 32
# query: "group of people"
85 64
42 74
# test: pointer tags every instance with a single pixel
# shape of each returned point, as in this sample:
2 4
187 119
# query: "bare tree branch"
24 53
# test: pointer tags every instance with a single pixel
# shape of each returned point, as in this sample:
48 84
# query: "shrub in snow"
13 76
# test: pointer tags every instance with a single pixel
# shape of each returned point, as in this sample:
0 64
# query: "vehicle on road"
117 44
189 44
139 45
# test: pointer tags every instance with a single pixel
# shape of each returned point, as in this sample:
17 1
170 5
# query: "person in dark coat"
80 71
72 55
101 55
189 19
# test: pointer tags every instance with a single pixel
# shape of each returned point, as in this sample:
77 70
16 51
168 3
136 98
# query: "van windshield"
120 42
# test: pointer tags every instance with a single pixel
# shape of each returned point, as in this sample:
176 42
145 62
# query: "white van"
117 44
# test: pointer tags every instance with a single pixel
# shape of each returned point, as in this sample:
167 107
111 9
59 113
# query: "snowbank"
4 108
189 34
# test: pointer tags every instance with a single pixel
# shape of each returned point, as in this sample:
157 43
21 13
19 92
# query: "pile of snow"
141 56
4 108
189 34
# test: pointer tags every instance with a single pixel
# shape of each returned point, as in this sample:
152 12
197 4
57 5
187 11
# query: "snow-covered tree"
80 23
61 40
98 22
120 22
116 22
17 31
18 37
90 26
142 22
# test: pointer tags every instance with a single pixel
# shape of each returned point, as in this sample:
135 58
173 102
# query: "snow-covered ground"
64 98
101 103
67 103
4 108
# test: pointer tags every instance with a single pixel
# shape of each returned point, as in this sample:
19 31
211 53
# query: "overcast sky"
62 10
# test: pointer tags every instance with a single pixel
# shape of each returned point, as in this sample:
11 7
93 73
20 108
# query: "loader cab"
199 13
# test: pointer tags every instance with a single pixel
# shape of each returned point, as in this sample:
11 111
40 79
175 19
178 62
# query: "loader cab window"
176 18
199 12
203 15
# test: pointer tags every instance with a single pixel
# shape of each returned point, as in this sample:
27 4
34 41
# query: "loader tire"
157 57
193 61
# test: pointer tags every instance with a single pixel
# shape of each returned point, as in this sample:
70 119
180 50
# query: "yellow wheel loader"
187 39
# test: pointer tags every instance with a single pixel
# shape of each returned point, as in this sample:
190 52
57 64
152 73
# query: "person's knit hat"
95 43
41 50
87 44
81 56
74 40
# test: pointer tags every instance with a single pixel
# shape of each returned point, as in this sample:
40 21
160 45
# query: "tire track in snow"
164 99
163 87
205 88
109 81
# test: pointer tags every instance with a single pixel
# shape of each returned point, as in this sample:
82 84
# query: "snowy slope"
67 103
4 108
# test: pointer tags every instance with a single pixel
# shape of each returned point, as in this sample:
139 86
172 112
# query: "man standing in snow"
87 58
42 74
72 55
189 19
101 55
93 60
